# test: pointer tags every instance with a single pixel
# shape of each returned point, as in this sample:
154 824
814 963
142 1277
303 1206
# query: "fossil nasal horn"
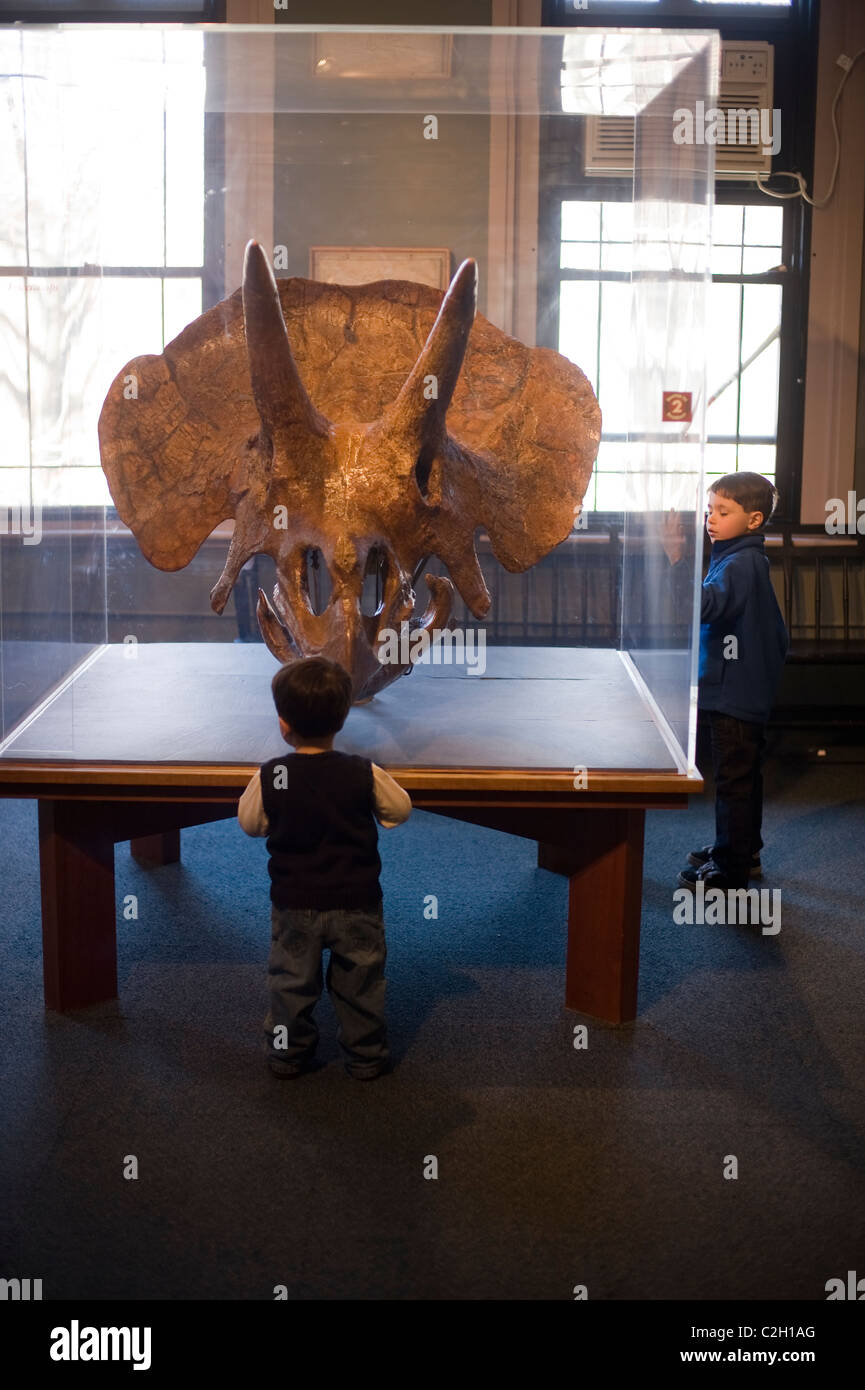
280 396
420 408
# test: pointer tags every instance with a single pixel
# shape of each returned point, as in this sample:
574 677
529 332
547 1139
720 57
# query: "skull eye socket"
315 580
423 468
374 580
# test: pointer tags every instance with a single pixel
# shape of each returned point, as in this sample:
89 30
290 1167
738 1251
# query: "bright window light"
102 247
742 368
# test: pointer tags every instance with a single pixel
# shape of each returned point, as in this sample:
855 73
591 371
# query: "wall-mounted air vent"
748 122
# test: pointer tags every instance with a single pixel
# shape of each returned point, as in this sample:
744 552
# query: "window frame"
561 13
205 12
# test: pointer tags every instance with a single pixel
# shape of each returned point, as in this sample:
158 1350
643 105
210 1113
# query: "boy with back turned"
318 809
743 646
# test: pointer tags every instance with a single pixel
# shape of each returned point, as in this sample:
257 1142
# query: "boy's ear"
755 525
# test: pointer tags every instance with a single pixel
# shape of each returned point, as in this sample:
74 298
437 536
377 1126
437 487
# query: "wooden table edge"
205 781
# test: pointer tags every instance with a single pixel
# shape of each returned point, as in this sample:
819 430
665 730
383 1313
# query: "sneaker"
287 1071
699 857
369 1073
708 873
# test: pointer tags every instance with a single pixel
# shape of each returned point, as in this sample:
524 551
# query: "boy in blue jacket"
743 646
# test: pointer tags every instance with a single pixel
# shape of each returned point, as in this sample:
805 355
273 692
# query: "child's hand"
672 536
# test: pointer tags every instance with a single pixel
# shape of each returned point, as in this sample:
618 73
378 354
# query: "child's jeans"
355 982
738 750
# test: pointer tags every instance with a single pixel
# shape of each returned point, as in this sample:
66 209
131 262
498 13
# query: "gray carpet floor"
556 1167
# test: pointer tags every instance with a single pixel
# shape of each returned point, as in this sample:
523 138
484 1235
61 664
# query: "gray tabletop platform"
532 707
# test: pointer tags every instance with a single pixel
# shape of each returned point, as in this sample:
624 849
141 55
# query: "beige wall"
835 323
249 12
393 12
372 180
476 193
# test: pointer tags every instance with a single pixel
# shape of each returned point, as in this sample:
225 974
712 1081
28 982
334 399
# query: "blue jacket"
738 601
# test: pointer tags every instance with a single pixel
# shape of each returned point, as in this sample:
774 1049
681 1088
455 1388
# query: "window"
594 303
594 307
745 330
81 295
760 268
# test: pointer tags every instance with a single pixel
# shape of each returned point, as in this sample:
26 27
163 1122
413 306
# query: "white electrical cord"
787 174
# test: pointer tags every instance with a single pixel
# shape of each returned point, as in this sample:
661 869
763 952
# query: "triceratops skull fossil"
375 432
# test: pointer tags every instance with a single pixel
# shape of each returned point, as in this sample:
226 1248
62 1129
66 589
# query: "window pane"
615 256
726 260
758 458
67 314
720 459
184 137
617 457
11 146
130 322
71 486
182 301
761 321
96 132
94 139
723 360
727 225
618 222
761 316
756 259
109 321
578 325
580 255
764 226
614 375
610 476
581 221
611 492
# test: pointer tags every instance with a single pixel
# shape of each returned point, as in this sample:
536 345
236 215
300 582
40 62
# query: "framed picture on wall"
360 265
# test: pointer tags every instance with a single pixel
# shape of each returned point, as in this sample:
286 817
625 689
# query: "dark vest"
323 840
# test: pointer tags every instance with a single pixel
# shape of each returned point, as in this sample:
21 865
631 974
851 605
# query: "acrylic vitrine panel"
673 187
138 161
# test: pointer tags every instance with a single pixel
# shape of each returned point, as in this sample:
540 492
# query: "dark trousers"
738 751
355 981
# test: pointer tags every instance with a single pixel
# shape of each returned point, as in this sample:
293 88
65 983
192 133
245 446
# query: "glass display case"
137 162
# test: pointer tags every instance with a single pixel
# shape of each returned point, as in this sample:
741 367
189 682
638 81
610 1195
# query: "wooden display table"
135 748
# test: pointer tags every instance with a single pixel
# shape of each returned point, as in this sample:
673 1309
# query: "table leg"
151 851
557 859
604 865
79 943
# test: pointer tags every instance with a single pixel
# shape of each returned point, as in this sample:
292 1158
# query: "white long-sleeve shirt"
392 804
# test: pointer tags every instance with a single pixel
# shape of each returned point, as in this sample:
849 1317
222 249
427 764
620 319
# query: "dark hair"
313 696
752 491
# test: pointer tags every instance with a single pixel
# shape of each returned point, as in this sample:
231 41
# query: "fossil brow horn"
441 358
280 395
